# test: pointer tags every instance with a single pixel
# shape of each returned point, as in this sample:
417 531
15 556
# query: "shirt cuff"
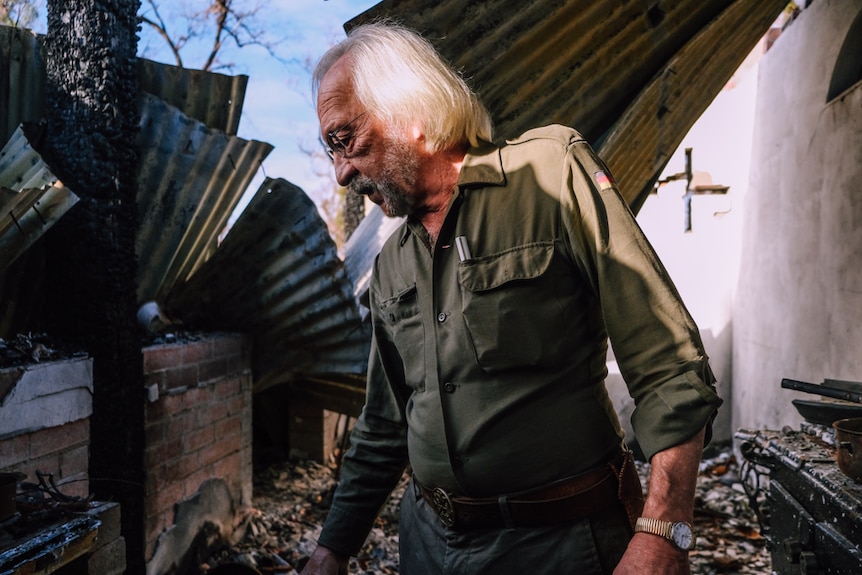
675 412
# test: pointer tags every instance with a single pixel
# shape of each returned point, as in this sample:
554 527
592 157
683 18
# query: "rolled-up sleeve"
655 340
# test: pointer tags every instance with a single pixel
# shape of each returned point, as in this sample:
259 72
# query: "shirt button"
449 387
441 317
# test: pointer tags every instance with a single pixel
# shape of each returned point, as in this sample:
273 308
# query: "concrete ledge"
46 395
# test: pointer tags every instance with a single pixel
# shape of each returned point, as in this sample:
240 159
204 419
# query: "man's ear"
418 133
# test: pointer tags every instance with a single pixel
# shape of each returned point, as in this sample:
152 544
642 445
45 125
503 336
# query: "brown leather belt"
560 502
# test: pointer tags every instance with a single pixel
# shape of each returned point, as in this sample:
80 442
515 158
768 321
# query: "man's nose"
344 170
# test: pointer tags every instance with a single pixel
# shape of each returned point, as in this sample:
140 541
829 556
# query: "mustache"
363 186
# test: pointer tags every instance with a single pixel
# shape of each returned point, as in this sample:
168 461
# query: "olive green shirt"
488 361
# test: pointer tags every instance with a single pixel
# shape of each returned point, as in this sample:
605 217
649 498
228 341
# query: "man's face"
369 158
397 172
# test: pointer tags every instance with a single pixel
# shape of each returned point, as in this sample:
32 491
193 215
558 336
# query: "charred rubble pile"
291 500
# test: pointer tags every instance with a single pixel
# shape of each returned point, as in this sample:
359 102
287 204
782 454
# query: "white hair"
400 78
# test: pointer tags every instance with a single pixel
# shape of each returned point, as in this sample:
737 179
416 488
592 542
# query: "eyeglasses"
334 144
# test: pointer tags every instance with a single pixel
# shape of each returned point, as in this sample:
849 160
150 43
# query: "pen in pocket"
463 249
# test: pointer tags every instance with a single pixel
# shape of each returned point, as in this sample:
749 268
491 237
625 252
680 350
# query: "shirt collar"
483 166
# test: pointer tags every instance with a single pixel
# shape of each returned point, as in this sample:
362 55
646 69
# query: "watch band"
654 526
679 534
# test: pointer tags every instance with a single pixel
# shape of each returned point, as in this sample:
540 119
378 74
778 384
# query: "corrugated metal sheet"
31 198
277 275
22 79
640 71
572 62
189 181
642 141
214 99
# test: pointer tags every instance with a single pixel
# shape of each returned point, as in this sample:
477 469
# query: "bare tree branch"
222 21
162 30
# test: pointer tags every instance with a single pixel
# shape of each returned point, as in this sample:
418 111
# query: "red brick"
74 461
198 439
212 413
229 466
213 369
164 499
219 450
236 405
182 377
196 352
196 397
14 450
187 466
194 481
170 405
227 428
55 439
173 449
159 357
172 472
180 424
229 387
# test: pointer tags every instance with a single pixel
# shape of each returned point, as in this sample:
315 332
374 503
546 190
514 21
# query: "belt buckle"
443 506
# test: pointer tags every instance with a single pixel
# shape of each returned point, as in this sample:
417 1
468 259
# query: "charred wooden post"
90 134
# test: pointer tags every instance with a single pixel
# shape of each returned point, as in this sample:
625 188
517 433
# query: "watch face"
682 536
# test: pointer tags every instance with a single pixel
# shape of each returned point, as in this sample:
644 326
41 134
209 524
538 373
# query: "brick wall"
45 413
63 451
45 422
198 424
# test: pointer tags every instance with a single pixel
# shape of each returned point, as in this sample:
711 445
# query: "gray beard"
396 202
400 168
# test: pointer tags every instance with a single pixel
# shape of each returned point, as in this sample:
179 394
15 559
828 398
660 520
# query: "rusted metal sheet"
31 198
642 140
213 99
277 276
190 179
555 61
635 72
22 79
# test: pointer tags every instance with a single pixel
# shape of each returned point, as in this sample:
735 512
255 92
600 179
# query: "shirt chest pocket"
512 308
400 316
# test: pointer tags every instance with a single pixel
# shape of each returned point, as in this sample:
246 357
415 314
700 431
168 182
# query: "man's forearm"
673 477
670 497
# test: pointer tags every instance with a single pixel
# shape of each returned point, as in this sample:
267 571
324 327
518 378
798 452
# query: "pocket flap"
520 263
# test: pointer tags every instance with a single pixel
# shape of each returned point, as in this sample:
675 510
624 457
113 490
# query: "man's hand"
650 554
325 562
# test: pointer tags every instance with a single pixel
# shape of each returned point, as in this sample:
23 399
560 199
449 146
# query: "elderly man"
491 307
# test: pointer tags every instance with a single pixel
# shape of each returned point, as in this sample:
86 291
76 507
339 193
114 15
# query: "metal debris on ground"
291 500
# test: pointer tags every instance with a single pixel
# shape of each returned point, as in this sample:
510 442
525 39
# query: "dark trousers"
588 546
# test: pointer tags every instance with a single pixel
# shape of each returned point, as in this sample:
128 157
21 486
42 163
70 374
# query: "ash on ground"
27 349
291 500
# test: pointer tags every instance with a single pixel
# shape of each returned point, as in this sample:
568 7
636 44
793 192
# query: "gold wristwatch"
680 534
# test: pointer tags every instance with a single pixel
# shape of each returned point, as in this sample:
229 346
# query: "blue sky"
278 107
